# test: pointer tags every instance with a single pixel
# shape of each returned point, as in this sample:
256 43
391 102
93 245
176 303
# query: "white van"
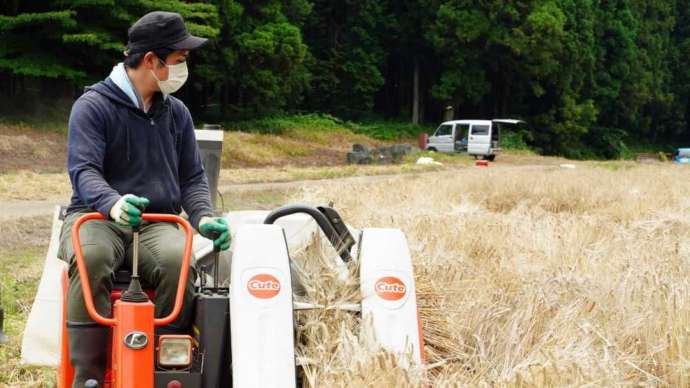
481 138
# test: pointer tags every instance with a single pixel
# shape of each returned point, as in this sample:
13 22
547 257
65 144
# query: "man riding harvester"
132 148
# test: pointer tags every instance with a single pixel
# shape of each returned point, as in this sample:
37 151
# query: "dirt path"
15 209
10 210
248 187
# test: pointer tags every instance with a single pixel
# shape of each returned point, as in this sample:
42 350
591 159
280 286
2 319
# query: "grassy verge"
391 130
242 149
631 148
35 114
19 288
305 140
28 185
23 245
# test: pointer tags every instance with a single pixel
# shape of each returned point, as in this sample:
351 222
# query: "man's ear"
150 60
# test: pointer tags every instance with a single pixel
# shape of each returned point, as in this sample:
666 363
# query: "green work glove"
216 229
127 210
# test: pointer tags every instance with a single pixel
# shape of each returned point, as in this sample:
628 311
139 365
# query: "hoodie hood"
110 90
118 87
121 79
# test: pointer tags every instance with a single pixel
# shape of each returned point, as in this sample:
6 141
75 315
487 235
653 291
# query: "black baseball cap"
157 30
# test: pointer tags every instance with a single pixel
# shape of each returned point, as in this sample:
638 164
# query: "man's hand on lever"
128 209
216 229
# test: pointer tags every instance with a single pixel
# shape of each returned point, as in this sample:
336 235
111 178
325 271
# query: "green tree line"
588 75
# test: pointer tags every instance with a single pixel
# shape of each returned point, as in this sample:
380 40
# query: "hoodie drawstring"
127 141
173 128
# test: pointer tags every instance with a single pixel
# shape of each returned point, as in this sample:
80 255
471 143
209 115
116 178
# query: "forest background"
593 78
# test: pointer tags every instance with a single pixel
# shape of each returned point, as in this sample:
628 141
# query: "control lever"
216 259
134 292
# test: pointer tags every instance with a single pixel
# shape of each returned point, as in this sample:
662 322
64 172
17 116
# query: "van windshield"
444 130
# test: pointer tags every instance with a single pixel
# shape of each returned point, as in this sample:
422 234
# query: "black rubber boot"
88 345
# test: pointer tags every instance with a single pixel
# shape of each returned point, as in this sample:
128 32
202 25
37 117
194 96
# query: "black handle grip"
213 236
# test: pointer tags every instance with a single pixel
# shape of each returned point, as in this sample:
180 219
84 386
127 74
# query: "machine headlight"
174 351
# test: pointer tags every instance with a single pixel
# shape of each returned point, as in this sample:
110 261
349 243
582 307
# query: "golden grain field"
525 277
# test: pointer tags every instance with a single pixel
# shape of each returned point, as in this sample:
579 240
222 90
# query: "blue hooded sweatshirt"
115 148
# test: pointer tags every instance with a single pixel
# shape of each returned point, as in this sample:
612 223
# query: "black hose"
321 220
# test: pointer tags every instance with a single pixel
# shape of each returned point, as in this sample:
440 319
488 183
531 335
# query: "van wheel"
490 158
431 149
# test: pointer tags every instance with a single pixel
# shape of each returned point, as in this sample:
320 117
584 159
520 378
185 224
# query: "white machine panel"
261 313
389 294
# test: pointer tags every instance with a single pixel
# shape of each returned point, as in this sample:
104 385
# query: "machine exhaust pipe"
210 142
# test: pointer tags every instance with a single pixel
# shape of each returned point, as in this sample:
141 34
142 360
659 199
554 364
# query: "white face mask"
177 76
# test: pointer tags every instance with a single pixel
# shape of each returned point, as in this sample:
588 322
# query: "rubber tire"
431 149
490 158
